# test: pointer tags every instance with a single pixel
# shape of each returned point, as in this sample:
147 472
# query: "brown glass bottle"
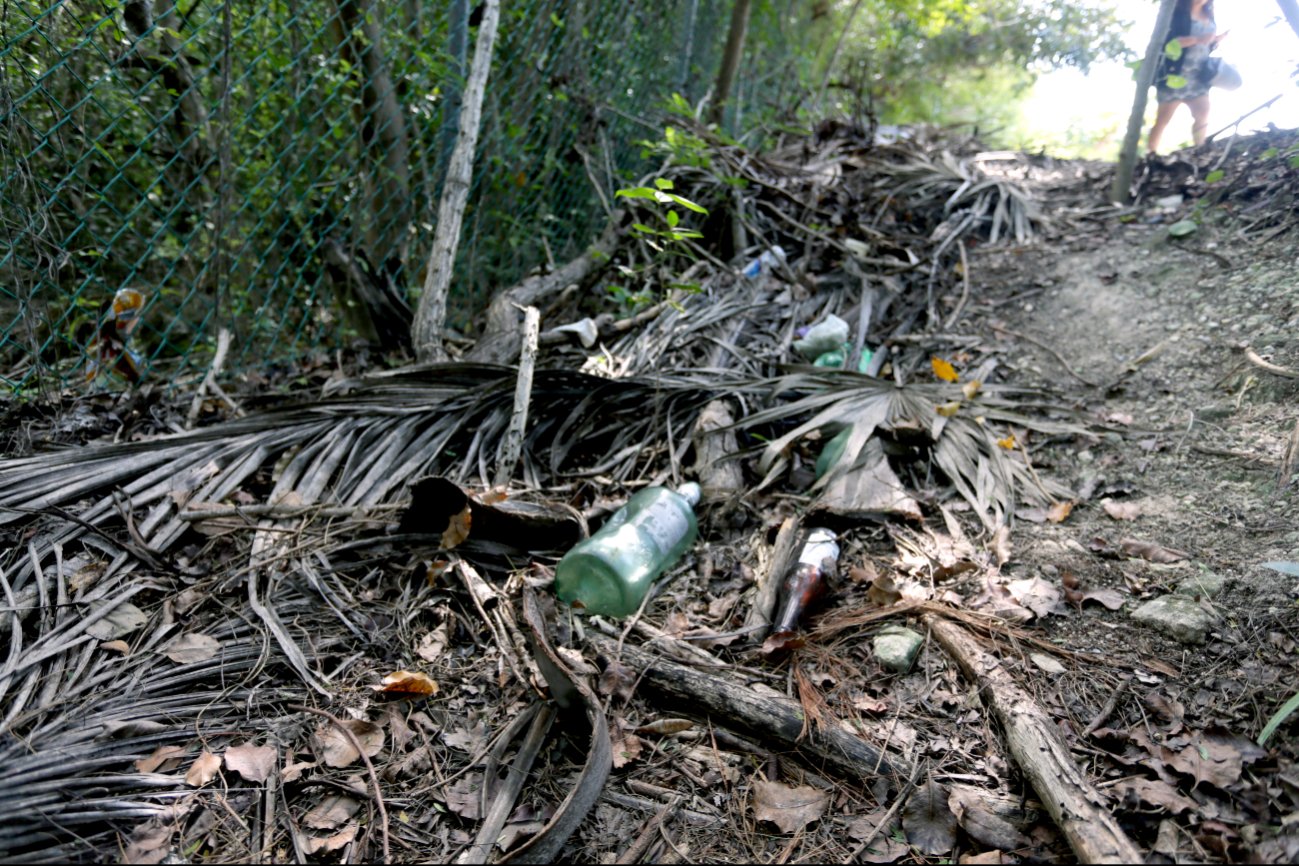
805 582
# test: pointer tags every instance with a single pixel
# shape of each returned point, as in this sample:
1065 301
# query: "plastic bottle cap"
690 492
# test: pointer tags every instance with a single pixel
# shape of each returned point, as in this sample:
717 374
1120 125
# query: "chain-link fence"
168 169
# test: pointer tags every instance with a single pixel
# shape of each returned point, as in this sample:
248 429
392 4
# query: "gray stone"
1206 584
897 648
1177 616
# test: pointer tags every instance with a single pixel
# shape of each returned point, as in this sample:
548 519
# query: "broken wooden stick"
499 344
769 577
770 715
209 382
1254 358
513 445
1044 758
719 472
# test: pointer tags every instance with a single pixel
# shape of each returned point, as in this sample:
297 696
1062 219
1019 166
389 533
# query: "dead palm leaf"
963 446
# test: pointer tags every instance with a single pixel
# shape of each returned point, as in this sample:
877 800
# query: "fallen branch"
513 445
769 715
499 342
769 577
209 383
1253 358
1036 745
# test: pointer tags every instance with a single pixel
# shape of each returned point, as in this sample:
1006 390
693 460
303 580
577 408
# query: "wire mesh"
168 169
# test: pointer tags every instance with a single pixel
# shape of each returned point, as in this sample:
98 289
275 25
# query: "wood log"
771 717
771 571
719 471
1035 743
499 343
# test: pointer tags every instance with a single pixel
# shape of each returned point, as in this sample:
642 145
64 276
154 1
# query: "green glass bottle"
610 572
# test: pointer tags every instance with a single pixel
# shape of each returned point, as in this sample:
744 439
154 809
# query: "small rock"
897 648
1177 616
1206 584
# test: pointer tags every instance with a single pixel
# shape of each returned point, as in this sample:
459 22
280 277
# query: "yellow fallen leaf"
1008 443
407 684
970 388
943 369
1059 511
947 410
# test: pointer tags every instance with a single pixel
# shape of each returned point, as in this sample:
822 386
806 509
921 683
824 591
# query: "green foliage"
964 59
671 217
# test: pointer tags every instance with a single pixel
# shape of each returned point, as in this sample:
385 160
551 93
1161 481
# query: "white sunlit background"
1070 114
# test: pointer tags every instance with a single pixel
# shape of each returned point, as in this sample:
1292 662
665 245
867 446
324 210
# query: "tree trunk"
1121 192
730 59
383 132
458 54
432 312
1290 9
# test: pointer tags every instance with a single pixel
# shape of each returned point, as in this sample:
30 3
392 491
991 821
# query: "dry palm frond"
965 196
963 446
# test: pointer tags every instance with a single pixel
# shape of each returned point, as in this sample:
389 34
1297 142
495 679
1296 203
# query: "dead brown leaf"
883 847
1153 792
617 679
335 748
464 796
433 643
253 763
626 745
1036 594
788 808
863 573
407 684
1109 598
1150 551
149 843
293 770
116 646
332 812
928 821
316 844
1215 757
1059 511
164 759
191 648
883 591
1119 418
1121 510
203 770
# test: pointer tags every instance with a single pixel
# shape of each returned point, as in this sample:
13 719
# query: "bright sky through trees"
1090 112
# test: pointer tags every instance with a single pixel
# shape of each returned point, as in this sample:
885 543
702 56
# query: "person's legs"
1200 111
1163 114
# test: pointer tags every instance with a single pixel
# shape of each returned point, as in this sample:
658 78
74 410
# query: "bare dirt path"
1198 459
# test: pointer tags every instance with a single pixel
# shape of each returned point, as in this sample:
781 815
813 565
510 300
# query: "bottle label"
665 525
814 552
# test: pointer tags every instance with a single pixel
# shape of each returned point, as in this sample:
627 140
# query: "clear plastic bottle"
610 572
